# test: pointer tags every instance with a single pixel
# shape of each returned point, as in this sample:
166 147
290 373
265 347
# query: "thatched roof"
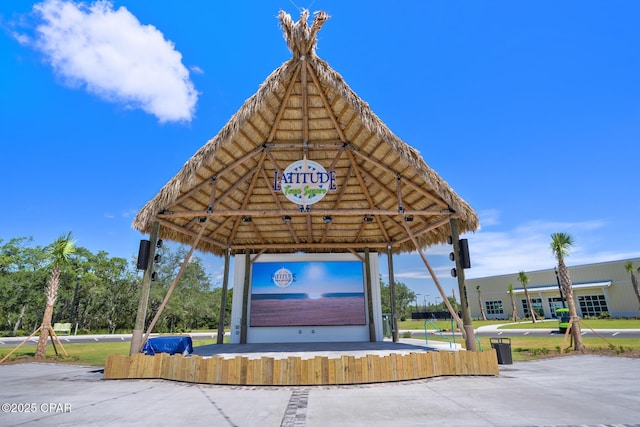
304 109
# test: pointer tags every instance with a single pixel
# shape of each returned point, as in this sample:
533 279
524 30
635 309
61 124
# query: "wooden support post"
244 323
469 335
435 279
138 329
223 299
173 286
367 273
392 296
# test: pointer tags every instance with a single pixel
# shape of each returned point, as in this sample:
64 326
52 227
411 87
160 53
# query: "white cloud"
527 247
111 54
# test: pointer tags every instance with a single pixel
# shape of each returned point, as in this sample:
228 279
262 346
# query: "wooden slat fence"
297 371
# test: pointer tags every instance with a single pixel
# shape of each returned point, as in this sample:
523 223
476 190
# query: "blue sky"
530 110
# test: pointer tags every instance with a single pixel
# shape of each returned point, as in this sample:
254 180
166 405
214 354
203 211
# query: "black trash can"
503 350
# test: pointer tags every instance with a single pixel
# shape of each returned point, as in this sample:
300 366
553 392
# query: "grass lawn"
529 348
93 354
591 323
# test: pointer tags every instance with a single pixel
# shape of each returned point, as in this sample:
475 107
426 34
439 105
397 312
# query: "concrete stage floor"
325 349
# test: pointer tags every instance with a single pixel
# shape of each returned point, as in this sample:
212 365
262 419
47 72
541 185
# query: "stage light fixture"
157 258
202 219
246 219
159 243
326 219
368 218
408 218
286 218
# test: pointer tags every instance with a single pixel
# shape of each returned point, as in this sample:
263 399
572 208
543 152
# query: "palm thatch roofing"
386 195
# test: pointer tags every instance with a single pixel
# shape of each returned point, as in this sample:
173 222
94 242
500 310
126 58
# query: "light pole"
415 298
437 298
424 302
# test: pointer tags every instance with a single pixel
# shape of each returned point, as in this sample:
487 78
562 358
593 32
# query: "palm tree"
524 279
514 311
484 316
59 253
560 244
634 282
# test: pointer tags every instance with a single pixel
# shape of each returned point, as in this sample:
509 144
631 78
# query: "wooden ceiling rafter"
296 212
223 171
293 234
170 225
414 186
248 192
283 105
343 187
364 190
326 104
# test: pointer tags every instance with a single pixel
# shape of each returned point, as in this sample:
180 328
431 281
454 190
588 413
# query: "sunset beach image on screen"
315 293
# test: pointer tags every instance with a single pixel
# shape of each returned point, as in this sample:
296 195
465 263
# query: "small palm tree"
59 253
634 282
524 279
560 244
514 311
482 313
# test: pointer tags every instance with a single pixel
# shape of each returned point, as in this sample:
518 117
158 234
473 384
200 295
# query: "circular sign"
283 278
306 182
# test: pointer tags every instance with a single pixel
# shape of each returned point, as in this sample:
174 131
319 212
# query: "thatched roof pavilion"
385 195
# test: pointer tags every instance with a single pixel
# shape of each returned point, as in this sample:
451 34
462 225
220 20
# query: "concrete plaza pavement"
566 391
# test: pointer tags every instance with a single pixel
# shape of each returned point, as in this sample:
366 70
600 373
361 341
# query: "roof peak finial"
299 37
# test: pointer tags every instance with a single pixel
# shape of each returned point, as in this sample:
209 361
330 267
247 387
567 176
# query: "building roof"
228 192
547 288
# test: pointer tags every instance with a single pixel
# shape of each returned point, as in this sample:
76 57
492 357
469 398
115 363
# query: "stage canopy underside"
385 197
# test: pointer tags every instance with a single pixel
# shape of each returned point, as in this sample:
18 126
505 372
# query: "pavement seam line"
295 415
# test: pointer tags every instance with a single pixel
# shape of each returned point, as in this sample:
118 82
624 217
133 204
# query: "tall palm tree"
524 279
634 282
59 253
560 244
514 310
482 313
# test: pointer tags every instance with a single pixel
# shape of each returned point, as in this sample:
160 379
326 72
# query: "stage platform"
309 350
280 364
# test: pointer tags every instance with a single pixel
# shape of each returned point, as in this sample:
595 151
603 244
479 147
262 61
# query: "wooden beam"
245 202
169 224
435 279
363 187
223 298
325 102
221 172
173 285
283 104
294 236
296 212
411 184
313 246
305 107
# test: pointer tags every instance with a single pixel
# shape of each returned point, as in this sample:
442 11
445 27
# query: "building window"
555 303
592 305
494 307
537 306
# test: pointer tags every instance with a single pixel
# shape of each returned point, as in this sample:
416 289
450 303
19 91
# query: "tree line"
99 293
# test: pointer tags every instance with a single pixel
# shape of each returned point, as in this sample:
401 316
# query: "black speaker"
143 254
465 261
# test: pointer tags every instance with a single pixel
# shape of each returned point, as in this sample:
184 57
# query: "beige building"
597 288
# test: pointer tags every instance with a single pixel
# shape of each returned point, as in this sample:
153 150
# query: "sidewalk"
573 390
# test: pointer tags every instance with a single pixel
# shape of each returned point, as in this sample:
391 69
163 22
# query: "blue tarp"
171 344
